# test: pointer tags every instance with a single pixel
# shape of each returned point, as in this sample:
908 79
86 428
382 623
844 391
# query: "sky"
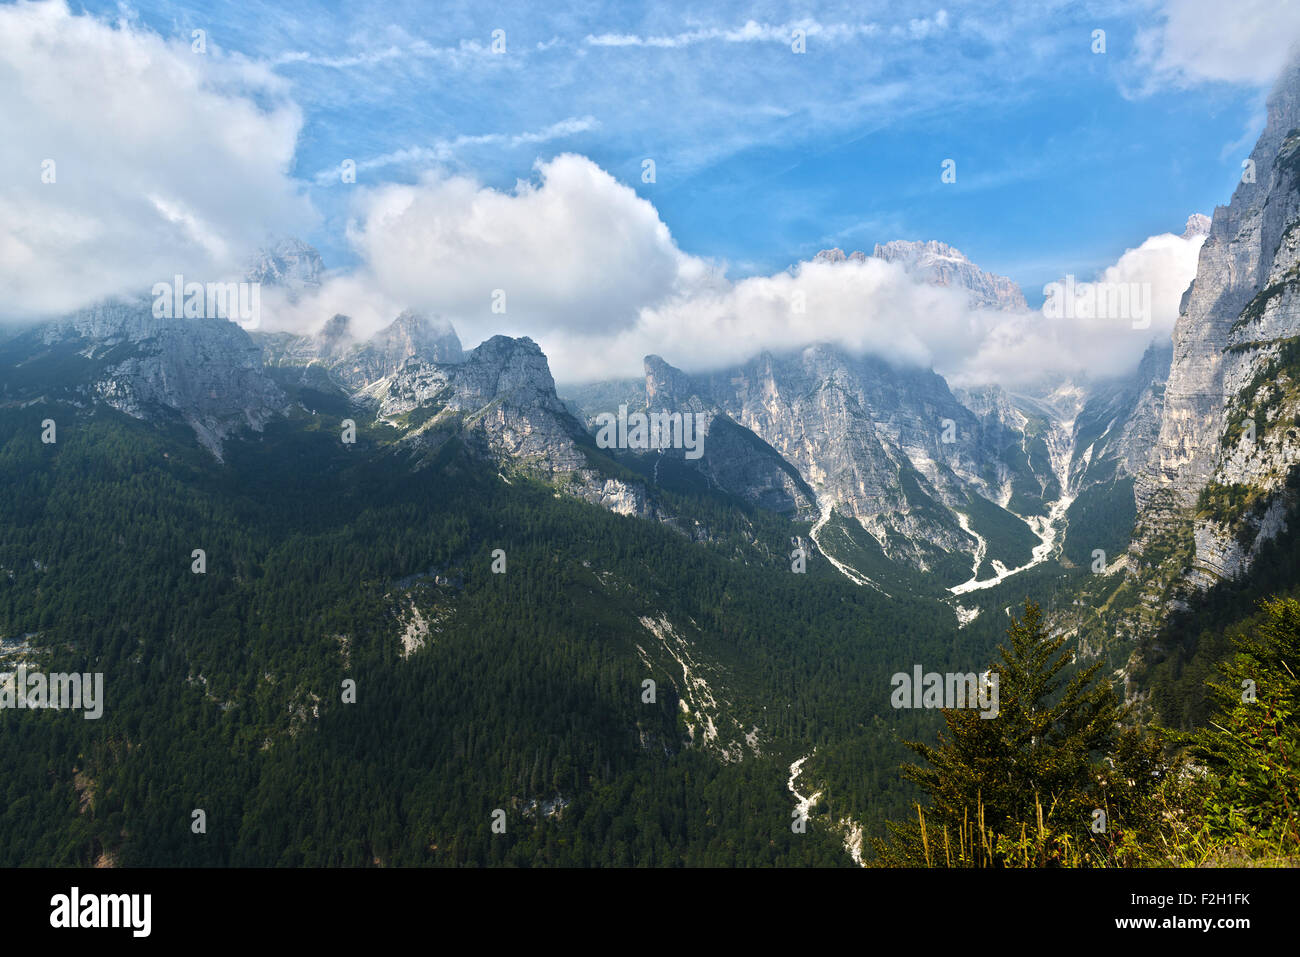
507 147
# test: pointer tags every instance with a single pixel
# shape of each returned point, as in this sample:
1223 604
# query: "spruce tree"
1252 746
1030 777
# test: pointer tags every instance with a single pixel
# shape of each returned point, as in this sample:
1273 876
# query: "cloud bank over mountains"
587 268
129 157
168 159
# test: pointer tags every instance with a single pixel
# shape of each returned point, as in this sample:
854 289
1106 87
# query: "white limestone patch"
1050 529
705 713
415 632
847 571
416 627
803 805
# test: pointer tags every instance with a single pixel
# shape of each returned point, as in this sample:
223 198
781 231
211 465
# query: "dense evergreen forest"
350 682
224 689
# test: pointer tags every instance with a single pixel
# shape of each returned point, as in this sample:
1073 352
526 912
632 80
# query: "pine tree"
1019 788
1252 746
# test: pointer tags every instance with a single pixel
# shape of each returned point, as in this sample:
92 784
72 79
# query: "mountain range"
1120 500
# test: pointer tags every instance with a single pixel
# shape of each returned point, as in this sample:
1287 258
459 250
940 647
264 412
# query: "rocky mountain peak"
837 256
939 264
665 386
417 335
1198 224
909 251
361 364
501 398
504 366
290 263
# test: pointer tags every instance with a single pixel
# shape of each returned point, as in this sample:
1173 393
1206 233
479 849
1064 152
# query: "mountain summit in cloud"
941 265
290 263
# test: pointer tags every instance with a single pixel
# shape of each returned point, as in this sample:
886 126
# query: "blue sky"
763 156
500 147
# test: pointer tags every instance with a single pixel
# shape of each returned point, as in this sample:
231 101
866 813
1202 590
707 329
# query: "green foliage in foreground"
1252 746
1058 780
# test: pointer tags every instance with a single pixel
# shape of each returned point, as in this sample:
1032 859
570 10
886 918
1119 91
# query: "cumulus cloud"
131 157
876 307
871 306
575 252
1090 337
1247 41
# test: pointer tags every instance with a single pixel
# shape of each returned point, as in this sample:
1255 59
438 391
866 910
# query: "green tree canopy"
1252 746
1036 768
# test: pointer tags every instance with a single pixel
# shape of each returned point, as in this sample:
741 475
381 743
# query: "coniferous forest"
225 691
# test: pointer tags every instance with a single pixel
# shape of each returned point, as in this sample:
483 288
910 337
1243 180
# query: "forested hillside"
520 691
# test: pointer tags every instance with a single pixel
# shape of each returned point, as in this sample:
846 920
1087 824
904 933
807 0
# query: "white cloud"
754 32
1246 41
576 251
593 275
444 150
165 160
356 295
1084 341
1168 263
875 307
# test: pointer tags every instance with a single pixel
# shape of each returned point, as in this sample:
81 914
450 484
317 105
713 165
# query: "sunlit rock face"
1230 406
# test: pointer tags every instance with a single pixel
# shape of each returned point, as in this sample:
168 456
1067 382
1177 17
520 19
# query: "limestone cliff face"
207 371
1233 365
502 396
356 364
1120 423
733 457
410 335
891 447
846 432
1025 443
501 400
